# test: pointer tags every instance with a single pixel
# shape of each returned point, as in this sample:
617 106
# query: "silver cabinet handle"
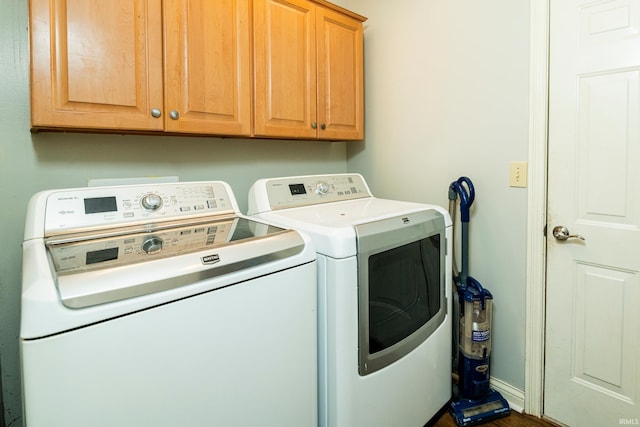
561 232
323 126
314 125
174 114
155 112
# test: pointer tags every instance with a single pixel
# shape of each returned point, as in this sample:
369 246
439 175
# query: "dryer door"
401 286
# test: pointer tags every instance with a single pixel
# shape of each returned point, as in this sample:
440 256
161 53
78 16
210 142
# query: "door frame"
535 292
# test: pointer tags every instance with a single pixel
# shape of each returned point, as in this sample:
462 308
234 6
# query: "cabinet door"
207 66
96 64
285 68
340 76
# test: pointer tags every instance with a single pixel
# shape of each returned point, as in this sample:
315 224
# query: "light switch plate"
518 174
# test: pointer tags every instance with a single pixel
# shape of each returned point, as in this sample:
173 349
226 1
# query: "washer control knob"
151 202
322 188
152 245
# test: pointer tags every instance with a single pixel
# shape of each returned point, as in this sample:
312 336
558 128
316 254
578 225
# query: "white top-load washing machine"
160 305
384 280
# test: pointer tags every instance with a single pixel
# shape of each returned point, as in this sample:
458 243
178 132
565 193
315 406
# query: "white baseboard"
513 395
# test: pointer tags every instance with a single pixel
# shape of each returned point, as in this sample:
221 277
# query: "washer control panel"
95 207
310 190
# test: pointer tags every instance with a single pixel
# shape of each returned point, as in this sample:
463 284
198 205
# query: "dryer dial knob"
322 188
152 245
151 202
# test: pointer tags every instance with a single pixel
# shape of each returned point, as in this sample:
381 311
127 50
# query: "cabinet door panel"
285 68
340 76
96 64
207 66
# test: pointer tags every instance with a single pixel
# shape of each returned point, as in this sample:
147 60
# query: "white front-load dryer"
384 311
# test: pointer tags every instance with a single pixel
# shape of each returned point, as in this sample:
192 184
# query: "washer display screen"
100 204
94 257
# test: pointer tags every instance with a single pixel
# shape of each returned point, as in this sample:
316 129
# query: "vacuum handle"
463 187
467 195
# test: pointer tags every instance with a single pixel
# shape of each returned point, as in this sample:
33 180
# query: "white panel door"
592 373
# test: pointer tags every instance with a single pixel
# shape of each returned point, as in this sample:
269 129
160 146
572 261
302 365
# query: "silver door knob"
561 232
174 115
155 112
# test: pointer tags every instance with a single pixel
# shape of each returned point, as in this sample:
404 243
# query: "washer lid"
98 270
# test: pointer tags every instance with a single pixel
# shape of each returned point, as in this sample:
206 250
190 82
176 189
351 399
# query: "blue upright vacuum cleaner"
474 401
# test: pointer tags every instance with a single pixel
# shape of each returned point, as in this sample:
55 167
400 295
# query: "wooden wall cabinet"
308 70
141 65
207 54
189 66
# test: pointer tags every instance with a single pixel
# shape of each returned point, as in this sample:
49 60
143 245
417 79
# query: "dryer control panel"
291 192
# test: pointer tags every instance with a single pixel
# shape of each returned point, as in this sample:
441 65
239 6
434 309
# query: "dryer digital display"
297 189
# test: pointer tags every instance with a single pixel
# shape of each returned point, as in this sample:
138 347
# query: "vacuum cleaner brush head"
472 412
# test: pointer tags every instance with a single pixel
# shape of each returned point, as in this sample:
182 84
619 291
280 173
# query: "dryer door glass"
404 291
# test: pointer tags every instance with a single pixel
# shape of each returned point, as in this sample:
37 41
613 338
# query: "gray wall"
447 95
30 163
